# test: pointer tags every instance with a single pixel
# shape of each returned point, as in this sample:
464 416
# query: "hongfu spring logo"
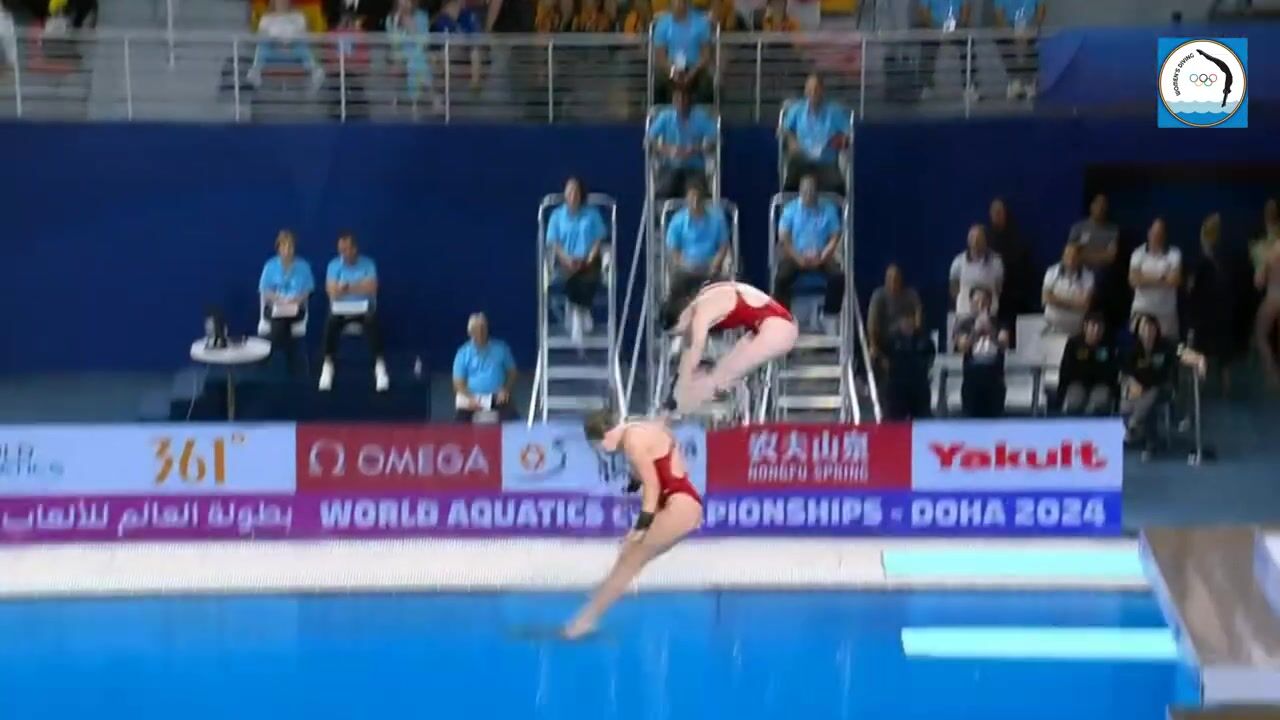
1203 83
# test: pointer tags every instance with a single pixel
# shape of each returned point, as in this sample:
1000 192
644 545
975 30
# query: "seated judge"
484 373
285 287
352 285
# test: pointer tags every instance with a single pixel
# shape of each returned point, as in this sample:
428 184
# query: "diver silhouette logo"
1203 83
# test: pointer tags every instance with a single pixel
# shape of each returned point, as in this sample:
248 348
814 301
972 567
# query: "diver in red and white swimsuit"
771 333
670 506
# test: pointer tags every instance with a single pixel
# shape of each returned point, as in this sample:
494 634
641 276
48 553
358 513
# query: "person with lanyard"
285 288
670 506
813 133
680 137
484 372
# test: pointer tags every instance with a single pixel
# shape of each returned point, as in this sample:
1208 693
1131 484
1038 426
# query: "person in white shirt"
1155 272
977 266
1067 292
284 31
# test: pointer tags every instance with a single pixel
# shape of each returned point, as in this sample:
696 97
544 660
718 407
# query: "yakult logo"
1066 455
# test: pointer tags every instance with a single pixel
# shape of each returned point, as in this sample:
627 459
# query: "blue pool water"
739 656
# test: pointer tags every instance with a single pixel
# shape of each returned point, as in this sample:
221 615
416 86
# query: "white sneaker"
326 377
1014 89
381 381
588 322
575 326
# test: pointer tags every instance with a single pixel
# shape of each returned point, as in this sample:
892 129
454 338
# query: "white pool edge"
426 565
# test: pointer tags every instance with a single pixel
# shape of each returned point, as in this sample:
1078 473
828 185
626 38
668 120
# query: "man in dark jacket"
1150 370
908 357
1089 371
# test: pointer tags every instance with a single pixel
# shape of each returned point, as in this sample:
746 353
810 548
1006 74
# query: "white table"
248 352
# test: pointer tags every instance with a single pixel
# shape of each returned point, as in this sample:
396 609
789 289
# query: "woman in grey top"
1267 279
890 304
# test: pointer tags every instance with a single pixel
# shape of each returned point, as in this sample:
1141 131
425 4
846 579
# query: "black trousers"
827 175
506 411
982 392
672 182
368 322
581 286
701 89
785 281
907 398
282 339
929 52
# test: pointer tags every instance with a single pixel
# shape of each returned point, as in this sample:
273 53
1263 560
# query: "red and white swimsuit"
745 316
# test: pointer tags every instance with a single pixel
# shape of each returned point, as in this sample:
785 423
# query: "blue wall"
118 236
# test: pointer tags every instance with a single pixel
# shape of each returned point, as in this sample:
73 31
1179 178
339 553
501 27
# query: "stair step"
578 372
811 372
818 342
592 342
810 402
584 403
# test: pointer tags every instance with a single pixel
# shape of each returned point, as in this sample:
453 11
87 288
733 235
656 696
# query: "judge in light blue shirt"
809 232
1024 18
484 372
352 286
682 52
813 133
284 288
949 18
680 136
576 235
697 242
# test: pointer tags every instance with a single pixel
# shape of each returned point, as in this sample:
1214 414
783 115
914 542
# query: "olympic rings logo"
1204 79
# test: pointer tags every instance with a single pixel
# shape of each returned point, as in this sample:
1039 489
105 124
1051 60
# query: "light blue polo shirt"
575 233
810 227
362 269
483 369
698 239
683 40
693 130
1018 12
294 282
815 128
939 10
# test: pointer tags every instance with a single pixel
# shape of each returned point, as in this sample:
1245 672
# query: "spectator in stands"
976 267
351 56
1266 278
484 372
1067 293
456 17
284 42
1024 18
813 133
592 17
683 51
638 18
368 15
285 288
59 15
697 242
1155 272
1019 294
890 305
1099 241
576 235
553 16
1149 371
1088 371
723 14
1211 300
776 19
906 360
983 343
352 285
808 237
948 16
408 28
681 136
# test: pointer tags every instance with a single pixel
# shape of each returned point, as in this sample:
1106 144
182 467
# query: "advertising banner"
161 459
556 457
810 457
1010 455
374 457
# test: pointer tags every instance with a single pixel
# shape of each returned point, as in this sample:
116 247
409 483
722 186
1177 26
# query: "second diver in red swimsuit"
670 507
771 333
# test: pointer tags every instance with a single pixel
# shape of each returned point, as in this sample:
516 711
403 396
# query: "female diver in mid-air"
771 333
670 506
